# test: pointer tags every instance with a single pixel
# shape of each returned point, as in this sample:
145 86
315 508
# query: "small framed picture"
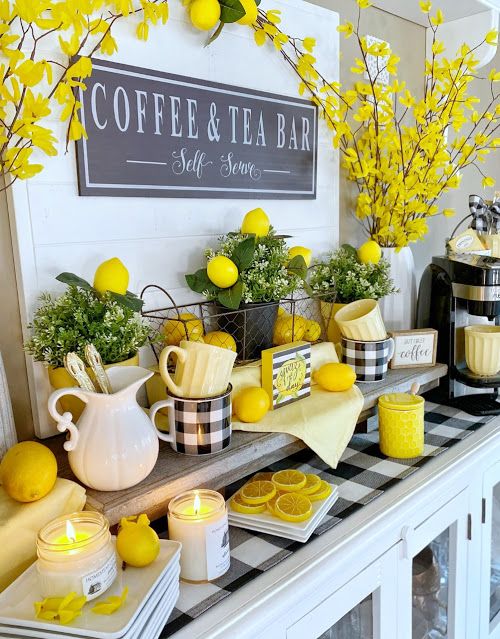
414 348
286 373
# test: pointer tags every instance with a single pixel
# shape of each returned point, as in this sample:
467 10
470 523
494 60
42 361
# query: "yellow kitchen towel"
324 421
20 523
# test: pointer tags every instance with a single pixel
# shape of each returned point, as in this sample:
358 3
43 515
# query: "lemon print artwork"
286 373
290 378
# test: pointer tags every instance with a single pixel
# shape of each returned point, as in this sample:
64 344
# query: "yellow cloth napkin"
20 523
324 421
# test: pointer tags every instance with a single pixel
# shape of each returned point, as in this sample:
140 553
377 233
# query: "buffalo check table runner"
362 475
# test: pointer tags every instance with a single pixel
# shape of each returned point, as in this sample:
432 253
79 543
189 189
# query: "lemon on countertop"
251 11
335 377
256 223
221 339
303 251
137 543
187 327
111 275
204 14
222 271
251 404
28 471
369 252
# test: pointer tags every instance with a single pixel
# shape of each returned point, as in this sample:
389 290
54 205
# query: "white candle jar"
82 560
198 520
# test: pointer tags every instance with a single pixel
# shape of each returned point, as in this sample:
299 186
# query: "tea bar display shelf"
248 452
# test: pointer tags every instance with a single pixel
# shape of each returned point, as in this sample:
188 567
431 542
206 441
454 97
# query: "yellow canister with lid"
401 425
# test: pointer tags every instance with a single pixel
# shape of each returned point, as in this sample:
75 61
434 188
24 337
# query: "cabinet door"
490 555
361 609
433 574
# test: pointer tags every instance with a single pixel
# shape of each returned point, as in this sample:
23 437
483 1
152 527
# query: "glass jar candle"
401 425
76 554
198 520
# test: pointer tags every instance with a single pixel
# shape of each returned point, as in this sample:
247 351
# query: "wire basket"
248 330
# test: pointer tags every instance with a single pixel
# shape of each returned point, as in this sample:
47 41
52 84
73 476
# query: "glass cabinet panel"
356 624
495 553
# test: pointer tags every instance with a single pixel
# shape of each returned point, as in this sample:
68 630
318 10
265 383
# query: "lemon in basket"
288 328
221 339
187 327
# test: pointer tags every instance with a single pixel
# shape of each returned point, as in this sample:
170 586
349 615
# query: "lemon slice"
258 492
237 504
293 507
263 477
270 505
289 481
313 483
322 493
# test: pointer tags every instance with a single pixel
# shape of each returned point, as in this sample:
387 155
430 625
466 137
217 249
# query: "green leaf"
199 282
215 34
257 2
132 302
280 398
351 250
231 10
297 266
74 280
243 254
231 297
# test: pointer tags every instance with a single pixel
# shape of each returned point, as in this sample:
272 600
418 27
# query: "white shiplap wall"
162 239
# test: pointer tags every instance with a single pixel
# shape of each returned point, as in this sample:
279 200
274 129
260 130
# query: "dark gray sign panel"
156 134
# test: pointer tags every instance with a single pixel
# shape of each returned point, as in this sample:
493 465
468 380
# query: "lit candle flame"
70 531
197 504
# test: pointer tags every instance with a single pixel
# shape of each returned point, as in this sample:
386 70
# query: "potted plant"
246 277
341 278
82 315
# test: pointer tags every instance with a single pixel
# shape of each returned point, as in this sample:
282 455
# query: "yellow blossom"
488 182
438 18
492 37
425 6
347 29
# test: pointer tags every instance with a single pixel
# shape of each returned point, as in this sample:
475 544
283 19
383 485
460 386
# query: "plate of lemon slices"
287 503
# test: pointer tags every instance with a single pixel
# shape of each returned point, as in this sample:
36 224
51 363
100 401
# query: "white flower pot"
398 309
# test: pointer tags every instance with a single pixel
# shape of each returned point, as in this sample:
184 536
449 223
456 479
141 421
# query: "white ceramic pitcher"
114 445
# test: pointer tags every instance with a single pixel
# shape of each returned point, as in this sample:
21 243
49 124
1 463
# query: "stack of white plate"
266 523
152 594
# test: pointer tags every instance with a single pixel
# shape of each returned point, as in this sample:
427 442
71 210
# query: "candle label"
96 582
217 548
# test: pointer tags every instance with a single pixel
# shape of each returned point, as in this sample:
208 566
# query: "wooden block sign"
155 134
414 348
286 373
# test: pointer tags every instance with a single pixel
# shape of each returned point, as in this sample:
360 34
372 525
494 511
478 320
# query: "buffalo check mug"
369 359
196 426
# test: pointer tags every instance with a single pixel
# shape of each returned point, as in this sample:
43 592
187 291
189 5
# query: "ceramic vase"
398 309
8 436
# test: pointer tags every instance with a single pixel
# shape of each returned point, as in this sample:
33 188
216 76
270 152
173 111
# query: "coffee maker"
457 291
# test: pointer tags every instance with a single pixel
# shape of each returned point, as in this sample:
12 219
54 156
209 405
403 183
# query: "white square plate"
16 602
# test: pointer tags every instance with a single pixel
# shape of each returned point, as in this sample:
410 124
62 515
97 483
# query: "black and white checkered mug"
369 359
196 426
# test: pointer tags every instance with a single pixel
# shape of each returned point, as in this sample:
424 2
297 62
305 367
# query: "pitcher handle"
164 403
65 421
181 354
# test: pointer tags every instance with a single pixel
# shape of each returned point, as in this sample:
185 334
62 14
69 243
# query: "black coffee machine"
456 291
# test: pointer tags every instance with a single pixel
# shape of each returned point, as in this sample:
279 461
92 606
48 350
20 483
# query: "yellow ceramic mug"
482 349
361 321
202 370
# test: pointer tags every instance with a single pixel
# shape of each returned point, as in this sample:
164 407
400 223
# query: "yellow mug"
361 321
202 370
482 349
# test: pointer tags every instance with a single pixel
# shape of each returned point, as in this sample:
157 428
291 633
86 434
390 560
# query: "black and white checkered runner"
363 474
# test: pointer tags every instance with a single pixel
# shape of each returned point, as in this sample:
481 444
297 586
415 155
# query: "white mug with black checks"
370 360
196 426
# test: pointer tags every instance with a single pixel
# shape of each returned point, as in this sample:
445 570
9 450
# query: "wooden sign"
414 348
286 373
156 134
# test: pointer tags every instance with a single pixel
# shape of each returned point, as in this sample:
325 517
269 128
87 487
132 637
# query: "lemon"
312 485
204 14
256 223
324 489
188 327
221 339
250 16
293 507
369 252
222 271
258 492
263 476
281 311
271 504
301 250
290 480
137 543
28 471
112 276
288 328
251 404
335 377
312 332
237 504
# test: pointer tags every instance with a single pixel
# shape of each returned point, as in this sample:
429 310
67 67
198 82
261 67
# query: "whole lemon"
251 404
188 327
112 276
369 252
256 223
288 328
312 332
28 471
221 339
251 10
222 271
204 14
335 377
301 250
137 543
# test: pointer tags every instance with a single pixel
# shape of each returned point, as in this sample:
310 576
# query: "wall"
162 239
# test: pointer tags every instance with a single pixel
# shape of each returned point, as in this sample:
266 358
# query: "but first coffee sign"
161 135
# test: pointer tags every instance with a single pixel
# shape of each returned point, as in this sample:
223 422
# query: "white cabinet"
490 555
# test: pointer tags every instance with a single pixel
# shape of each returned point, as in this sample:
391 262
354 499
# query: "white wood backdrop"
162 239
